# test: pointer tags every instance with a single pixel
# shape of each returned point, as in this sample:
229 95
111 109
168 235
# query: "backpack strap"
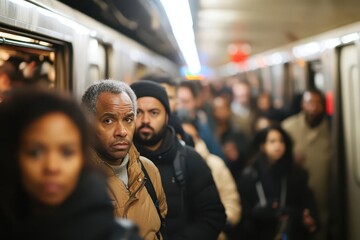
180 173
150 188
179 167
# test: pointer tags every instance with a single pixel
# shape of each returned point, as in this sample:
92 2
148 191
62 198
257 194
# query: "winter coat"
135 202
314 145
195 210
224 182
86 214
263 222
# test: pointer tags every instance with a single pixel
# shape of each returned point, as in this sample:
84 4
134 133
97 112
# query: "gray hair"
92 94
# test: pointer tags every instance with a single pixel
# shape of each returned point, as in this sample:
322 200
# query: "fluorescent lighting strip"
179 15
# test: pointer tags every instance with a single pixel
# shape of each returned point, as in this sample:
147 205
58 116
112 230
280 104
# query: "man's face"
221 110
151 121
186 100
171 92
241 94
313 108
115 124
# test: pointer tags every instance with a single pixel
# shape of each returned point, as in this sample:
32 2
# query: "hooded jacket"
134 202
195 211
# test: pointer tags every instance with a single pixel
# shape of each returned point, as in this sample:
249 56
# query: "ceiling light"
350 38
179 15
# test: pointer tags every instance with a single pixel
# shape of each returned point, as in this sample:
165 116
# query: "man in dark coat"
194 207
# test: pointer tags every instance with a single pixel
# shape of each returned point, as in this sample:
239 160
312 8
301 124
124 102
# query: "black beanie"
146 88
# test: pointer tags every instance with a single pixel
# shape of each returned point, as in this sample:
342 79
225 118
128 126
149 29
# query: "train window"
278 85
29 61
316 76
266 79
319 81
298 74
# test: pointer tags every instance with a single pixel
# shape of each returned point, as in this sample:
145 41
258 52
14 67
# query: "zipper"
132 197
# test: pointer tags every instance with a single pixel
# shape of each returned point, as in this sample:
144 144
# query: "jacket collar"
98 161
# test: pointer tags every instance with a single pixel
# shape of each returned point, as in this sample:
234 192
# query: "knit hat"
145 88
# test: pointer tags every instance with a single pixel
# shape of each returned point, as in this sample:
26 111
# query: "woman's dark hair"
17 112
286 161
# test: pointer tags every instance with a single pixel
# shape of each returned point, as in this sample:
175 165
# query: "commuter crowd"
163 159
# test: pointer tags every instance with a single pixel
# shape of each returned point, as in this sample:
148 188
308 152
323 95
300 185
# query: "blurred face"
264 102
115 125
241 94
51 158
313 108
221 110
274 146
151 122
171 92
186 100
231 151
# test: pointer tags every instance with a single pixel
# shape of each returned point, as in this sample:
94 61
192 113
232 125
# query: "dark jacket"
196 211
86 214
263 222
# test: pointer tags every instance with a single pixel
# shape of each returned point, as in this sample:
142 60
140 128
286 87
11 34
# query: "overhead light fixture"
306 50
349 38
331 43
179 15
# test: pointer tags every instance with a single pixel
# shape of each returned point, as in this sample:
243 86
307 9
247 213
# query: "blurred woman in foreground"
277 202
48 191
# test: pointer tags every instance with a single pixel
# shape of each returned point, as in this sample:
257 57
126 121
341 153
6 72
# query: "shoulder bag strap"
150 188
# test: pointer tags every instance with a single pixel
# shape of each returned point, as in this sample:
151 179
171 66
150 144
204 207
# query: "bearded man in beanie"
194 207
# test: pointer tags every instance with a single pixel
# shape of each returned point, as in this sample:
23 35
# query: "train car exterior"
329 62
78 49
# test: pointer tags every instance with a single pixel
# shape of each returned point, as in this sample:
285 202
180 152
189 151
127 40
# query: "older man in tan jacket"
134 182
310 133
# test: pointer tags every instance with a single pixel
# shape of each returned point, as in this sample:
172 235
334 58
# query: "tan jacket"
313 145
224 182
135 203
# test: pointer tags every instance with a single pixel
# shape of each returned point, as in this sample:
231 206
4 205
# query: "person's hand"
309 221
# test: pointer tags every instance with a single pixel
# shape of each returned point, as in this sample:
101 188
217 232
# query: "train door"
278 80
316 78
98 68
350 96
299 76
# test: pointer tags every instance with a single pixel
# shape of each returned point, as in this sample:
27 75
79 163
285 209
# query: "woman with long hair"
277 202
48 191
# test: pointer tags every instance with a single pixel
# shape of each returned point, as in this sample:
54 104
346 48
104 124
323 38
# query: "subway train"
69 49
330 62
